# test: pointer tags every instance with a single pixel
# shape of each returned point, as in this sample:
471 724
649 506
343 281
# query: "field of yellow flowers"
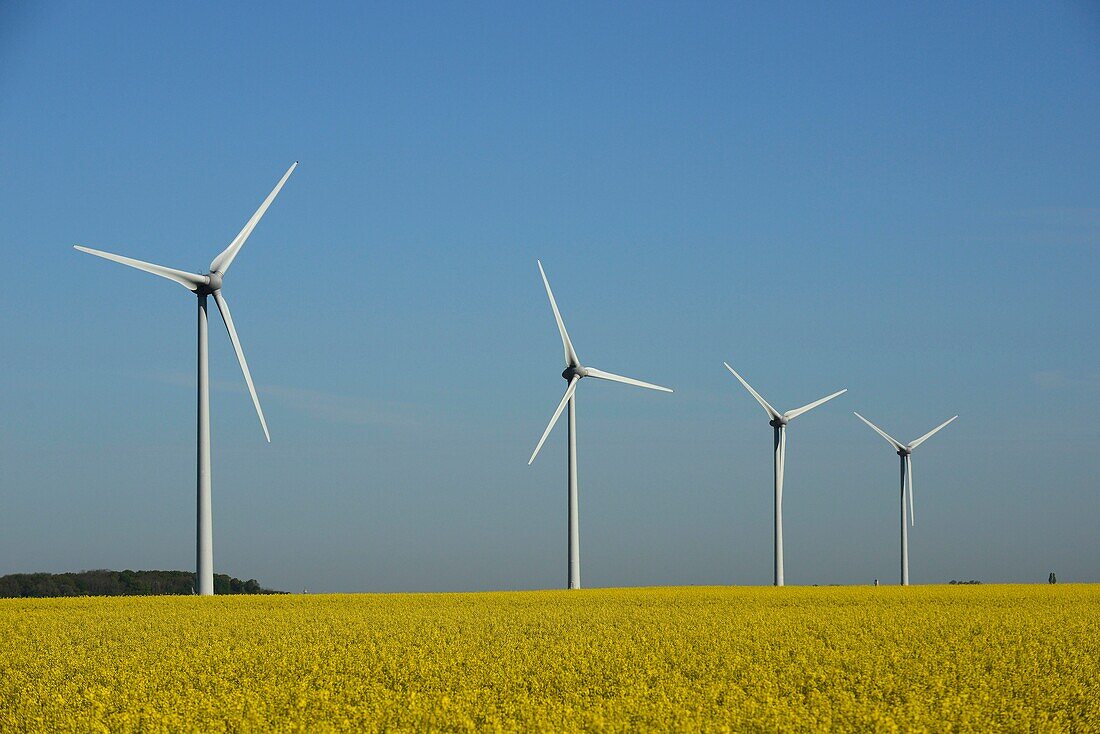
964 658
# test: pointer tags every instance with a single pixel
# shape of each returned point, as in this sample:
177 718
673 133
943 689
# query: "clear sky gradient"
900 200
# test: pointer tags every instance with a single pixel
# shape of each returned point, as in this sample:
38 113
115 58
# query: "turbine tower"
573 373
204 286
905 451
778 422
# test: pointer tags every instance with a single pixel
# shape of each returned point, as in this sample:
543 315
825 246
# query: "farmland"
973 658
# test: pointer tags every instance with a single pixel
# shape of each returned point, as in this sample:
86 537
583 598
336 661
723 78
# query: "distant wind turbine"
573 373
779 423
203 286
905 452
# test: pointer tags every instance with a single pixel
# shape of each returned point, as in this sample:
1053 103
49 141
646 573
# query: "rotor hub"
213 283
574 371
778 422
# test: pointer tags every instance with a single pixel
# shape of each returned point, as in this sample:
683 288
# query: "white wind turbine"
573 373
203 286
778 422
905 451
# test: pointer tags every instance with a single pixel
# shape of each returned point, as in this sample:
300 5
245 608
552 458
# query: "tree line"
102 582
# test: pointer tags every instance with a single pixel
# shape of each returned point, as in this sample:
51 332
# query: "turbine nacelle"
778 422
574 371
905 451
207 285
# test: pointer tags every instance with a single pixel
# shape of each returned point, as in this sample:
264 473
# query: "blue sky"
900 200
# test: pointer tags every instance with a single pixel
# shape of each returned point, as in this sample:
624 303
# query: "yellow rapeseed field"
939 658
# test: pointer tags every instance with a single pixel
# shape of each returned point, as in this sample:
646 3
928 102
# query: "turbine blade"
909 478
593 372
881 432
772 412
571 359
931 433
190 281
557 414
222 262
223 307
792 414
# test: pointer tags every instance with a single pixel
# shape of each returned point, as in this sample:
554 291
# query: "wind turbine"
779 423
573 373
905 451
203 286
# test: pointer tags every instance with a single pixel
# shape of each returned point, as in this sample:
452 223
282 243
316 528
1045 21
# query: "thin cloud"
336 408
323 405
1060 380
1072 226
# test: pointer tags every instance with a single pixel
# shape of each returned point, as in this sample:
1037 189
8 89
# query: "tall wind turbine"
778 422
203 286
573 373
905 451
